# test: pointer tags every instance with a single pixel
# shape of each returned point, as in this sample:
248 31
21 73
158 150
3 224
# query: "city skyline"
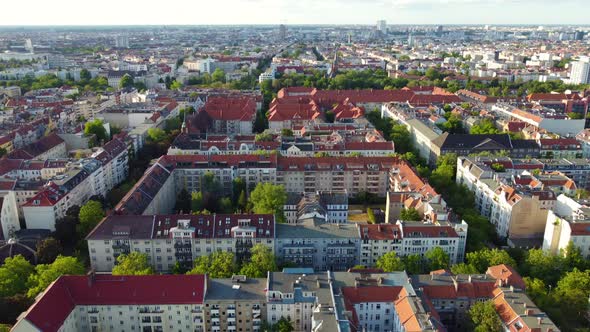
236 12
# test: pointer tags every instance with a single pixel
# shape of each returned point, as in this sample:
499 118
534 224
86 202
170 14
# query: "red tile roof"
61 297
507 275
230 109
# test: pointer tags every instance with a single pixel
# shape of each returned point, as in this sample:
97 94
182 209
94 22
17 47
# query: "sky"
196 12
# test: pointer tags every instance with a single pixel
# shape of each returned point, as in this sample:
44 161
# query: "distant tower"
382 26
411 40
122 41
282 32
29 46
439 30
350 38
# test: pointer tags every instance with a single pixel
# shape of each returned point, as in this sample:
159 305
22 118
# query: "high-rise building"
580 73
122 41
579 35
282 32
29 45
382 25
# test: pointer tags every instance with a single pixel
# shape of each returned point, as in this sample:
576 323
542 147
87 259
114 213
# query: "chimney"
469 279
540 320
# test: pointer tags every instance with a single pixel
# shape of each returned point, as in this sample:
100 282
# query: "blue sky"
85 12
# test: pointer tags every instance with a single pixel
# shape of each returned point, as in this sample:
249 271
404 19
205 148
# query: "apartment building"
48 147
81 181
229 116
409 238
171 239
518 209
293 294
235 304
118 303
365 299
156 191
318 245
561 148
568 222
350 174
330 207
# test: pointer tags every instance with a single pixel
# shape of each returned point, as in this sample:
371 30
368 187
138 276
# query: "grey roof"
132 226
468 141
422 128
253 289
310 229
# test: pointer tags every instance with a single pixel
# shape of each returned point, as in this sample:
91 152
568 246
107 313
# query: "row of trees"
265 198
434 259
219 264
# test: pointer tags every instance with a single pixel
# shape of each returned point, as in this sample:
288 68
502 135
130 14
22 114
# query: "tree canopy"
262 260
410 214
484 317
134 264
268 198
219 264
14 274
45 274
95 127
390 262
90 215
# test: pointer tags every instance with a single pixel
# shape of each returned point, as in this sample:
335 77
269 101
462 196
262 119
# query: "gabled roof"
50 311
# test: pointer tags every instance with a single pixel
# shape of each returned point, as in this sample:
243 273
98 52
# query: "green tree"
284 325
175 85
401 138
156 135
262 260
96 127
183 202
210 184
390 262
47 250
242 201
544 265
14 274
126 81
218 75
90 215
485 258
85 75
410 214
133 264
573 257
238 186
573 291
414 264
453 125
225 205
48 273
484 317
330 116
485 126
437 259
197 203
286 132
268 198
463 268
219 264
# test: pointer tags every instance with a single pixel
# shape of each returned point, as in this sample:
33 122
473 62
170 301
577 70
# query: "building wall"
39 217
234 315
9 217
334 254
161 251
